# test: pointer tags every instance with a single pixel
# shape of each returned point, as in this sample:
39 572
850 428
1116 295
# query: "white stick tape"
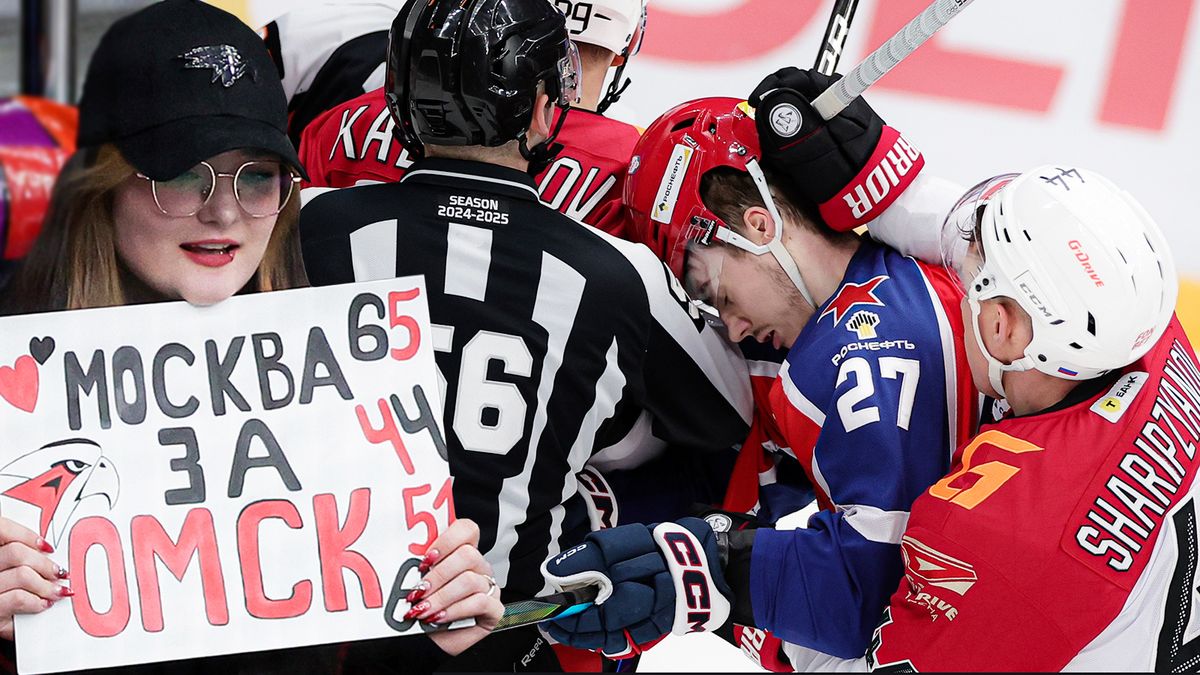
879 62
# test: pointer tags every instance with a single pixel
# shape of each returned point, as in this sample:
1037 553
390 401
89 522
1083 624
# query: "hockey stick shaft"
887 56
836 32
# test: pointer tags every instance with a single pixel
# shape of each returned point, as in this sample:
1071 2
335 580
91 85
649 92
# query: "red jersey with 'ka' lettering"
1062 540
353 144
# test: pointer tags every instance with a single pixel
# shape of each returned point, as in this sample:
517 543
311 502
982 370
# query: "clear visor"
570 72
639 35
703 265
960 244
705 246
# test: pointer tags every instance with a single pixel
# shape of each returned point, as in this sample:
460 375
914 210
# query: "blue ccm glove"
653 580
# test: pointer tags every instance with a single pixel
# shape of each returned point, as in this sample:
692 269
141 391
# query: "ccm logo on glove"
699 604
694 579
559 560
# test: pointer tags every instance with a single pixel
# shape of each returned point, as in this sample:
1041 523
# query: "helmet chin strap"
775 246
540 155
996 369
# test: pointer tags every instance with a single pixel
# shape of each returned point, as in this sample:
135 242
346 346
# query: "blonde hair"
73 264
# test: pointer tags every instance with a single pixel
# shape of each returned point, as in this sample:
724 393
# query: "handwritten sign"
255 475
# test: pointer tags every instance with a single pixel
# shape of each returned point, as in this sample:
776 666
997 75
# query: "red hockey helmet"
663 187
674 153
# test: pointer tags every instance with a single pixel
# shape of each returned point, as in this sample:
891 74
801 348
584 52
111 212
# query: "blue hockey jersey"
873 399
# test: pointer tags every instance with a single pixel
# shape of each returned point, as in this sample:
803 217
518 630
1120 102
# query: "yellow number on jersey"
991 474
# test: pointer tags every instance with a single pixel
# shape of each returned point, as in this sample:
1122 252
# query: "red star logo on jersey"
852 294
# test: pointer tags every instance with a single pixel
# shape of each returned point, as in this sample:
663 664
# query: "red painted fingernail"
431 557
416 611
44 546
436 618
62 573
66 591
415 595
48 603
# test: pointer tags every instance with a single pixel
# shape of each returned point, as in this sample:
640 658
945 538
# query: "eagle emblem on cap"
225 60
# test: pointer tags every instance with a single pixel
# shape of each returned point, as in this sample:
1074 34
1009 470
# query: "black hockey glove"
852 166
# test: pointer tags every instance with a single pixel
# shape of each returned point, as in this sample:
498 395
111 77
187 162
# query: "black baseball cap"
179 82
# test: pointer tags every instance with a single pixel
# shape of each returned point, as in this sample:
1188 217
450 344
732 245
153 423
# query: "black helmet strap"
615 88
540 155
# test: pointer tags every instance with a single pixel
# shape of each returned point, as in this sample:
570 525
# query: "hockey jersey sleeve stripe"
824 494
808 584
805 660
875 524
797 399
768 369
950 362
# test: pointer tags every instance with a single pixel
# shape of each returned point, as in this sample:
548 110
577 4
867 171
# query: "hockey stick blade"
836 32
834 99
546 608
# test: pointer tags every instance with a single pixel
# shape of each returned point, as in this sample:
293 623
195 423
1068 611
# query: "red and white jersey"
353 144
1064 540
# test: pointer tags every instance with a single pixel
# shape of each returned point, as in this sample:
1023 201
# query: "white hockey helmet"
615 25
1078 254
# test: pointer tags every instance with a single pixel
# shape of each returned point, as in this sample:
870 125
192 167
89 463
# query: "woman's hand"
458 584
29 580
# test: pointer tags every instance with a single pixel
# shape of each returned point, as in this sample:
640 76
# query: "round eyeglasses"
262 188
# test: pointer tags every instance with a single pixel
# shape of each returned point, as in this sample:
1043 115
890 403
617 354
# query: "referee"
554 340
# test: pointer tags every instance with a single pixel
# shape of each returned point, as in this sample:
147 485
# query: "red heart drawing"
19 384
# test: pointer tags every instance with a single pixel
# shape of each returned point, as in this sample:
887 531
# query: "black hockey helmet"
465 72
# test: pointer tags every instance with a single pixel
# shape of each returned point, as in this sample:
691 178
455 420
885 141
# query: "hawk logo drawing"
48 484
226 62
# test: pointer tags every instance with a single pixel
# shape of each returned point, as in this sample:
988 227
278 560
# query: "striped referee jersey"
554 342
